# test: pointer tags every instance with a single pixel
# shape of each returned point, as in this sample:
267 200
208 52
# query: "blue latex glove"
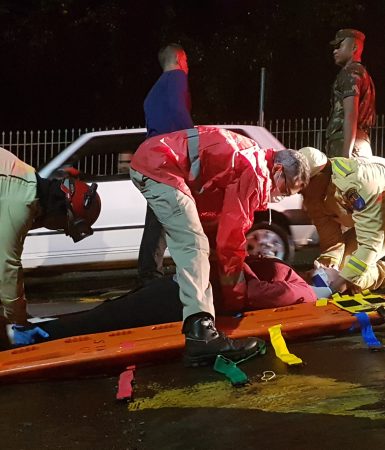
20 335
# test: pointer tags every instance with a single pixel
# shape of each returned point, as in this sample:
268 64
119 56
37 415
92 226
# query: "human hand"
323 265
331 274
353 288
338 284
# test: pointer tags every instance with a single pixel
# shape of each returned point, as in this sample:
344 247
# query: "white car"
119 228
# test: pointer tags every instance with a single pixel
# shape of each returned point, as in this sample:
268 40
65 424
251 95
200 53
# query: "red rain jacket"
232 181
272 283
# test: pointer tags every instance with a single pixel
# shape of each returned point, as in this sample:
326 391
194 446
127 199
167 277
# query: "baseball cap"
347 33
315 158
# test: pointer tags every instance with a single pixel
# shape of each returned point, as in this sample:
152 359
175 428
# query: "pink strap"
125 384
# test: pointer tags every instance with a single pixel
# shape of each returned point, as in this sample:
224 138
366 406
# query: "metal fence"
38 147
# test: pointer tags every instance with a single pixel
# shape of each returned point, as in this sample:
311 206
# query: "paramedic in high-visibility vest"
28 201
345 200
224 178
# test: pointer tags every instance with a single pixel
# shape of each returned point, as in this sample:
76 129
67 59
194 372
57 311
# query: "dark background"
90 63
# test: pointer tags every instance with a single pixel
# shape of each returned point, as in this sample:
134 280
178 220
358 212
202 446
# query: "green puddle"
285 394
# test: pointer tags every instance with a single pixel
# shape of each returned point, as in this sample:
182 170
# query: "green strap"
231 371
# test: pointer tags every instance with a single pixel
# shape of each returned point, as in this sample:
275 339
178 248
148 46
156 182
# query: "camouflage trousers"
361 147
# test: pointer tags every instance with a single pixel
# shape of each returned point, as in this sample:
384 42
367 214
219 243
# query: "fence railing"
38 147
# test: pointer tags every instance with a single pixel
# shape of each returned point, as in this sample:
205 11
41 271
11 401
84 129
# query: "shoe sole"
205 360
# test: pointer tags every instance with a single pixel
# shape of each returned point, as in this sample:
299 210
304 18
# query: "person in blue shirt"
168 104
167 109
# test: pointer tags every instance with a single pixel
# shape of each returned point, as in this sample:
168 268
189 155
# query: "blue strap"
367 331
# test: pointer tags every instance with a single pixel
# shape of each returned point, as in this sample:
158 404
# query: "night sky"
90 63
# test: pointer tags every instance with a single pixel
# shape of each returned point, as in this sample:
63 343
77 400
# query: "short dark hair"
168 54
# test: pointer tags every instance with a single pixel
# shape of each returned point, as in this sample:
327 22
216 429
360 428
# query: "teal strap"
231 371
193 153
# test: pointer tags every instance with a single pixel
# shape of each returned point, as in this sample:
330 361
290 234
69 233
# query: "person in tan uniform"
28 201
346 201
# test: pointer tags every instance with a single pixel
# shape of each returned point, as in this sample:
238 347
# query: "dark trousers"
153 304
152 248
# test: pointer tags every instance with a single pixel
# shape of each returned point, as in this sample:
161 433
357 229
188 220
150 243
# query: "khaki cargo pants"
186 241
18 207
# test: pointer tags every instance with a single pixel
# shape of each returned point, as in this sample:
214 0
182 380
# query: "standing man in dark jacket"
167 109
353 99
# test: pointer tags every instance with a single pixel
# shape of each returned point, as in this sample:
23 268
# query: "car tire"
273 236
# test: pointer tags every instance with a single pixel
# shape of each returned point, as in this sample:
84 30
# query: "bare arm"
350 124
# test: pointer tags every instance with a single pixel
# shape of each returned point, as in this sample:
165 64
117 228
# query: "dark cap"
347 33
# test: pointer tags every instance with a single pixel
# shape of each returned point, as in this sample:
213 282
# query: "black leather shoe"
5 343
204 342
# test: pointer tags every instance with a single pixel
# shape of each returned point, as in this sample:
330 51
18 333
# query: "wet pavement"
335 400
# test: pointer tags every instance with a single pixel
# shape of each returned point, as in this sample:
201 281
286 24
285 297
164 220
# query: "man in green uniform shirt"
352 101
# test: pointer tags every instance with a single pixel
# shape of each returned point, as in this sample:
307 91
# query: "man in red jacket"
173 171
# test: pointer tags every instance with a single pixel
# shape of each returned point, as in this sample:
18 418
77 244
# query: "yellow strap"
279 345
365 301
321 302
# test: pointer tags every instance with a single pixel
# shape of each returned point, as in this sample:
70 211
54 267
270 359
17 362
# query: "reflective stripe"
356 265
193 153
341 167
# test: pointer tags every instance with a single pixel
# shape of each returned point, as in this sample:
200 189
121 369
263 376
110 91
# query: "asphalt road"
334 401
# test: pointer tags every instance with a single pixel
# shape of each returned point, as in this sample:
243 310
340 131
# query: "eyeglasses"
287 191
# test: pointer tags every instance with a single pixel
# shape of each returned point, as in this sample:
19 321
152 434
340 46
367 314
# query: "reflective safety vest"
360 186
354 197
228 176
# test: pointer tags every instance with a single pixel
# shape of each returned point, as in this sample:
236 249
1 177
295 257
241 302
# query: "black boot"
204 342
5 343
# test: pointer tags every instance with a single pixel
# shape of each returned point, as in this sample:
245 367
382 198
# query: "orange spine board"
117 349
